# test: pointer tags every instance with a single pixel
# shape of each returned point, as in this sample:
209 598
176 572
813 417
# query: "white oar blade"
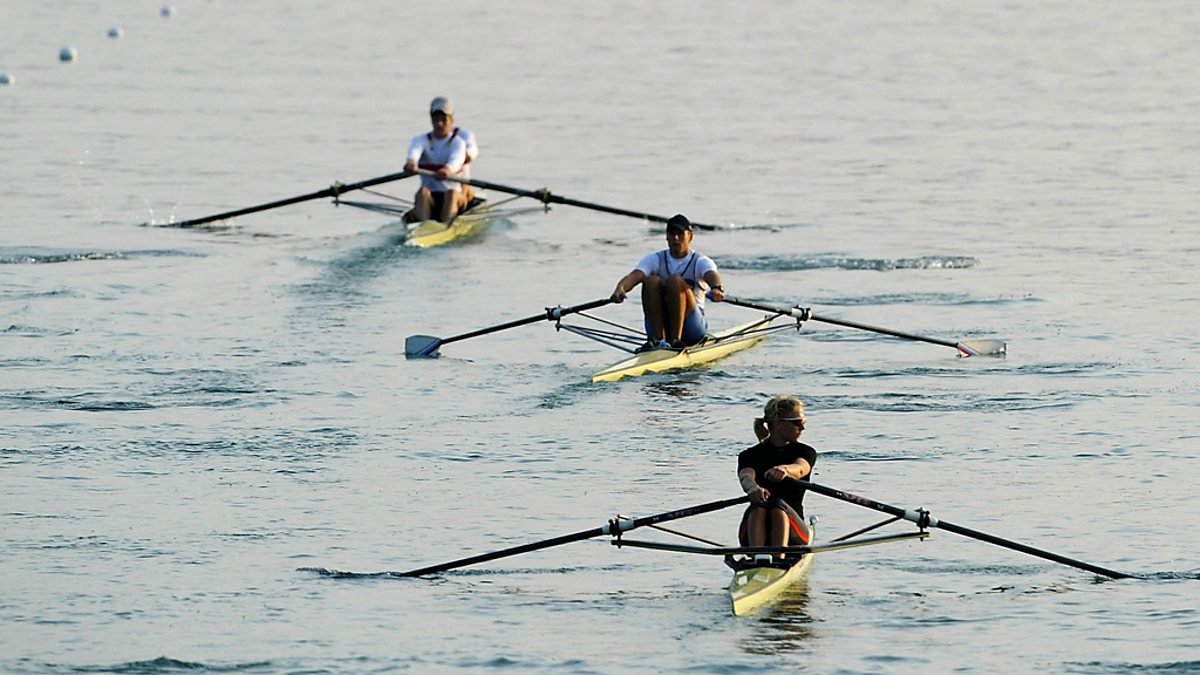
421 346
982 348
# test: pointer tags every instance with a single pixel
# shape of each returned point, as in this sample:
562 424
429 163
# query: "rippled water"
194 420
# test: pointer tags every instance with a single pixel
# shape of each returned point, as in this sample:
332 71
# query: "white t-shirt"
434 153
691 267
472 148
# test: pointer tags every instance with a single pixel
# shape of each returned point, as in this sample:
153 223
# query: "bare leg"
679 303
757 527
652 306
422 205
450 206
780 528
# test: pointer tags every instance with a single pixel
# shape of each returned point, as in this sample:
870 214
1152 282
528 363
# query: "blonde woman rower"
775 516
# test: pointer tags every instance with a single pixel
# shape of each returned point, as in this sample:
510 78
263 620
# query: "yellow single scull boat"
713 347
752 588
430 233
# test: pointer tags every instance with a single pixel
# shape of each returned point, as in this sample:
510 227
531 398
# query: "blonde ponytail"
779 407
760 428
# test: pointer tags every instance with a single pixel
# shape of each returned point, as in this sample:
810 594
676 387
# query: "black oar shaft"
885 331
547 197
925 520
1030 550
515 550
613 527
551 314
566 201
331 191
805 314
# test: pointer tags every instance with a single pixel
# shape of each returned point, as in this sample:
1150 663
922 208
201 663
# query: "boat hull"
721 344
755 587
430 233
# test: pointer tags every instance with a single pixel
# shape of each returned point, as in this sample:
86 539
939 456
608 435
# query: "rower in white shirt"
447 151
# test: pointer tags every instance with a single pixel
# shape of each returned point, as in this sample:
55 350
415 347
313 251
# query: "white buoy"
68 54
167 11
5 79
116 32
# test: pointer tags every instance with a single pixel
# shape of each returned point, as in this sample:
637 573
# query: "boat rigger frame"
468 223
628 339
744 597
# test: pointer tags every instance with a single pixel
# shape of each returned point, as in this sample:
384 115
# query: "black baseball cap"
679 222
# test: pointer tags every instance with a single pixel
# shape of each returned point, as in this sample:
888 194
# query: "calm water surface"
193 419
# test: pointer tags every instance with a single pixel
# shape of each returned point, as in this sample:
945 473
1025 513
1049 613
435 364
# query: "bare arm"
413 155
799 469
757 493
626 284
713 279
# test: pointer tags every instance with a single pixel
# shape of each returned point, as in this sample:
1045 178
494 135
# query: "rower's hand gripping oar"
924 520
428 345
614 527
965 347
546 197
332 191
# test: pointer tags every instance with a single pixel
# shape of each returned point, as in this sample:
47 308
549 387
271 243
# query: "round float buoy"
5 78
115 32
167 10
68 54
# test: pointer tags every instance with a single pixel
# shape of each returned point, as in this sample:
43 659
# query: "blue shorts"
695 326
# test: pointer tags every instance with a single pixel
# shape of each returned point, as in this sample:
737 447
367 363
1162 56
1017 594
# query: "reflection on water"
357 261
682 384
784 626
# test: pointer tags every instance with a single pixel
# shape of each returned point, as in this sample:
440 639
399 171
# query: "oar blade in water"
982 348
421 346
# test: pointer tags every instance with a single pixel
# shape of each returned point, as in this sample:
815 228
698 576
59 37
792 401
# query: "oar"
924 520
546 197
428 345
331 191
965 347
613 527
